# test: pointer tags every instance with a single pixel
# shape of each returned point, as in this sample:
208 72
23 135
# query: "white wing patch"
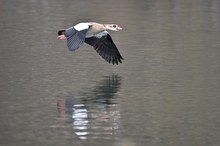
103 33
82 26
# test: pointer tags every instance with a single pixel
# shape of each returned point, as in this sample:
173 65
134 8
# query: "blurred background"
165 93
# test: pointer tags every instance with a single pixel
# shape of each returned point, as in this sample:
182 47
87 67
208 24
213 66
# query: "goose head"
113 27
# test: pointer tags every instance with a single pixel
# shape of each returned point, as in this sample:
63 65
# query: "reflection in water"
96 113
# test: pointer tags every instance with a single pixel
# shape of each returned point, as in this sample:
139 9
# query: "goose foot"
62 37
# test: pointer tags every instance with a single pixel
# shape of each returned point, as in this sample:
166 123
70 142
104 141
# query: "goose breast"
94 29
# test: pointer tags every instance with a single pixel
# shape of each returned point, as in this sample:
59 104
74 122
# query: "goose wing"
105 47
75 38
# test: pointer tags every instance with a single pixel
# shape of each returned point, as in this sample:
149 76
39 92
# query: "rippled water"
166 91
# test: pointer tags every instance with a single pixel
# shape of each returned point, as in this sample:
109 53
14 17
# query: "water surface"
166 91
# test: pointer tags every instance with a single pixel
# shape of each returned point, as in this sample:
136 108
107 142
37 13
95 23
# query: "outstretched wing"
105 47
75 38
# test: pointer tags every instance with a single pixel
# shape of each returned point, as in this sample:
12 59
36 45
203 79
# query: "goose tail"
61 32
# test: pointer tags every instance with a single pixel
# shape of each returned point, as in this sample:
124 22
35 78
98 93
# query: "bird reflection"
96 112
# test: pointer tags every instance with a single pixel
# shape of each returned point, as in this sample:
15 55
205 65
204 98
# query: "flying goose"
96 35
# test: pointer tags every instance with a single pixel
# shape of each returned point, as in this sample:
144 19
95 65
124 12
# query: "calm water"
166 92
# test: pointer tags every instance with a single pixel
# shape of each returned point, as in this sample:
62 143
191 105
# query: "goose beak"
119 28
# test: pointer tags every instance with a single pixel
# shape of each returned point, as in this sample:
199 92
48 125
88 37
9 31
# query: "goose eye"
114 26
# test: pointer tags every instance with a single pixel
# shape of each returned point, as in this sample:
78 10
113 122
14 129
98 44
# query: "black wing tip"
111 58
115 61
106 48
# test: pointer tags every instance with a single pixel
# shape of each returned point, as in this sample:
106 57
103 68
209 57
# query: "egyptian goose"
94 34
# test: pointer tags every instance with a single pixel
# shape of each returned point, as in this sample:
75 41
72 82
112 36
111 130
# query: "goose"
96 35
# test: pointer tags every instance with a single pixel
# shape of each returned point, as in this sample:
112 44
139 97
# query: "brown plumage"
96 35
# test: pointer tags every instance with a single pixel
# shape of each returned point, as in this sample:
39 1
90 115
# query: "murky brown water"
166 92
